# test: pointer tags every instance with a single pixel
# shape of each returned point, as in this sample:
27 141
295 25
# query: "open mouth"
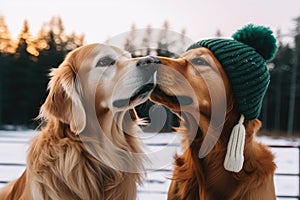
178 100
141 93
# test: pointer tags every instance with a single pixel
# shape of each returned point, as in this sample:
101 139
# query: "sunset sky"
99 20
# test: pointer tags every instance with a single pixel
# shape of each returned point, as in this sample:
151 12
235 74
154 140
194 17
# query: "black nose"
148 60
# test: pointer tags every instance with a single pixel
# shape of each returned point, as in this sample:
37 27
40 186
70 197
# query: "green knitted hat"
244 60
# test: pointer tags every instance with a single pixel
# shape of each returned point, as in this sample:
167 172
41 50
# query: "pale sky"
99 20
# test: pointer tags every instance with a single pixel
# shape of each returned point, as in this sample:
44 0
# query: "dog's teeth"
155 78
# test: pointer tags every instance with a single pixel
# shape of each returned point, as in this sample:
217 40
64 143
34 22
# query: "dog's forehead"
197 52
100 50
108 50
203 52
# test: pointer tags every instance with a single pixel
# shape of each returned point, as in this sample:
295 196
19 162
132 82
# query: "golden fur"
86 148
205 178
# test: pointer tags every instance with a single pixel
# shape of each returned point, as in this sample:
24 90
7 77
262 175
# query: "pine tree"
18 85
218 33
25 43
6 43
278 92
130 42
297 76
73 41
41 40
163 45
7 47
146 41
182 42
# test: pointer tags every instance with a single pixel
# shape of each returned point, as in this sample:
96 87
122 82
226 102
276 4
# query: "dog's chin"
138 97
174 102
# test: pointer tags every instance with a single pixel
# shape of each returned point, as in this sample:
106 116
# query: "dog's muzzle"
147 68
148 61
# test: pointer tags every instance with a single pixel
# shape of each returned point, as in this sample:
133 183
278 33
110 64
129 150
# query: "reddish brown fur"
206 179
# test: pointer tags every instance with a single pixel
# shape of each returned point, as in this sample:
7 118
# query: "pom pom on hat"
258 37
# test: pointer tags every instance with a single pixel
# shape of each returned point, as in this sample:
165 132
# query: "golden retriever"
87 148
192 87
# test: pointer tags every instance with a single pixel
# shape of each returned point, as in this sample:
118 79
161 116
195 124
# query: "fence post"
298 172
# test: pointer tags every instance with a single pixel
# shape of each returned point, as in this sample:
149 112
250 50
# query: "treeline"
281 108
25 63
24 68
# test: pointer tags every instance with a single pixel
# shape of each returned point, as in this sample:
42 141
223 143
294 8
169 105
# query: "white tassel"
234 158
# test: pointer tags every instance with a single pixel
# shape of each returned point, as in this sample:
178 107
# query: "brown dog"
190 86
86 148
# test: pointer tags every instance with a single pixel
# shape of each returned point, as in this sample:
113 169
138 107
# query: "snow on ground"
160 149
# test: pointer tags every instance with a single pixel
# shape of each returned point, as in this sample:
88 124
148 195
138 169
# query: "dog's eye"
199 61
105 61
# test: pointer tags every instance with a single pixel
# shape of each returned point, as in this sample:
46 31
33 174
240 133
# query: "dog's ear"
63 101
252 127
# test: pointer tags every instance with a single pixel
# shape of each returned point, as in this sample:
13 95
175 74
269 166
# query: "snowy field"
160 148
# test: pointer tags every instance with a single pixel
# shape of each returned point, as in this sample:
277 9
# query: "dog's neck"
215 158
208 173
115 133
195 127
106 149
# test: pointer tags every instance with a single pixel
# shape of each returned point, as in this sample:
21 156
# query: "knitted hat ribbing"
244 60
